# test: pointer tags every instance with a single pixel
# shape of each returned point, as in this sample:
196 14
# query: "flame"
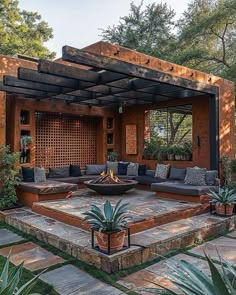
111 174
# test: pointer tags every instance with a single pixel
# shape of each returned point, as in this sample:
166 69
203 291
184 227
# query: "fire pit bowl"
111 189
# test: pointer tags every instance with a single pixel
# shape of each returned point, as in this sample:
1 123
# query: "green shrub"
8 178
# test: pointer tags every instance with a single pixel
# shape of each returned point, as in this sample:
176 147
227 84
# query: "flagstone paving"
225 246
8 237
69 279
158 274
34 256
232 234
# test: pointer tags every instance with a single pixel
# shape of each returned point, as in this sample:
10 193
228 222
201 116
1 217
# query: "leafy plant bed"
15 206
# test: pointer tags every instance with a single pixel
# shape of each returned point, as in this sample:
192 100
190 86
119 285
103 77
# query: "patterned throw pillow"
162 171
132 169
195 176
39 175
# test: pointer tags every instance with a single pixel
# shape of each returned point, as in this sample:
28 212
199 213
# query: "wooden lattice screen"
62 140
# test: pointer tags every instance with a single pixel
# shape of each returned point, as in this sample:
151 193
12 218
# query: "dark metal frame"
109 252
214 131
213 211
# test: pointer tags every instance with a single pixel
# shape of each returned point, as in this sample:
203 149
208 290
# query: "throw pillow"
39 175
95 169
122 168
162 171
112 166
211 176
142 169
132 169
59 172
75 170
177 173
195 176
28 174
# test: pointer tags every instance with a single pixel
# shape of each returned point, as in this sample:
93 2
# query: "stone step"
146 245
146 210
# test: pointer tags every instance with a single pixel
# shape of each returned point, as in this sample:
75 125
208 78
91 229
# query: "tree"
23 32
207 37
148 30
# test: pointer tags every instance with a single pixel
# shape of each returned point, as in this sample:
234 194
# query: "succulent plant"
110 219
223 197
190 280
9 280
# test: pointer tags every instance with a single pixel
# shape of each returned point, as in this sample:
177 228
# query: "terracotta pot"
116 242
224 209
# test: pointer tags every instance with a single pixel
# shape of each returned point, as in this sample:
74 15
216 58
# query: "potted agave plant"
224 201
109 221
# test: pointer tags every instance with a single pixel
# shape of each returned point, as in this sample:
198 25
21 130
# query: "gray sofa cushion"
149 179
211 177
95 169
71 179
182 189
112 166
48 187
177 173
150 172
59 172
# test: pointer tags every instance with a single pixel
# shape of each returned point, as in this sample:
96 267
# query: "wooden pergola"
92 79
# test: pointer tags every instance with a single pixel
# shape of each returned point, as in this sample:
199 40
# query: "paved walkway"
66 279
158 272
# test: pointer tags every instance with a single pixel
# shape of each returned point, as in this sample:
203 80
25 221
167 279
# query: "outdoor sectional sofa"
60 182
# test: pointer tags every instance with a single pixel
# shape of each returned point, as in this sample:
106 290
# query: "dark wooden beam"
103 62
14 82
16 90
31 75
53 68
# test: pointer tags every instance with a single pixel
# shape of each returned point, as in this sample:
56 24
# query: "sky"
77 22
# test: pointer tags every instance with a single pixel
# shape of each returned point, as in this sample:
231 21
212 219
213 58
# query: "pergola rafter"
101 81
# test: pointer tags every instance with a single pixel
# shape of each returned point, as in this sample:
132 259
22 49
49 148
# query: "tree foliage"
204 38
148 30
23 32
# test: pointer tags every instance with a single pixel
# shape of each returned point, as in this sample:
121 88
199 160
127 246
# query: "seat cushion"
95 169
177 173
146 179
27 174
59 172
112 166
75 170
182 189
211 177
48 187
67 179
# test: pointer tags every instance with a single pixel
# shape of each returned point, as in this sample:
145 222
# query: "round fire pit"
111 189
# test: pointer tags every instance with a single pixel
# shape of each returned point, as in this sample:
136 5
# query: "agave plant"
110 219
224 196
189 280
10 279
